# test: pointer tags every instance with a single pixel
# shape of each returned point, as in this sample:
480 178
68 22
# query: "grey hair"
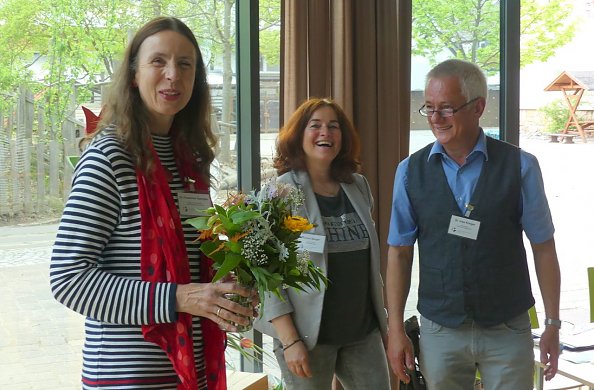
473 83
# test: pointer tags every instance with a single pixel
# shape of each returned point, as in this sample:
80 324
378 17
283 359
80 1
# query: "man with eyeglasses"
467 199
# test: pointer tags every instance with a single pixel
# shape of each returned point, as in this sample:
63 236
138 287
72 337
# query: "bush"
556 114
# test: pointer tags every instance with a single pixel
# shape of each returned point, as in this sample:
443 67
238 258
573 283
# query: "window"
63 66
473 36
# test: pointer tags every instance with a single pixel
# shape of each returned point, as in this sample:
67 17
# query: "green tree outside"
77 44
469 30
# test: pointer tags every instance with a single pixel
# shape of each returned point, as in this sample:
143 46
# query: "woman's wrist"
179 297
292 343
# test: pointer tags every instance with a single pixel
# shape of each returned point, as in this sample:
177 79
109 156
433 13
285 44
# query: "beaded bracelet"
285 347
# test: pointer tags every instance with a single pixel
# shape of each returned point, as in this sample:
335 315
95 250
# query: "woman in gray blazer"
338 330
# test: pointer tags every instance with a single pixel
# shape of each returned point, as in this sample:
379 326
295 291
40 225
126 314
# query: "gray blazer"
306 307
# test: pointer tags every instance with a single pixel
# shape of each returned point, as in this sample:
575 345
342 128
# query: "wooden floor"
237 380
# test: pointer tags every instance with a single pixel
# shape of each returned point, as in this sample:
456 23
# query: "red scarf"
164 258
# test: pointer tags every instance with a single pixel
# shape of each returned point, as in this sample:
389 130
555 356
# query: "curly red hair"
289 146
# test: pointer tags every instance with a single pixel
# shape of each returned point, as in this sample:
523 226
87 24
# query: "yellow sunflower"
297 224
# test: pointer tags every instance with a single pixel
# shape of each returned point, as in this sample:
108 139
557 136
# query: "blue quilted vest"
485 279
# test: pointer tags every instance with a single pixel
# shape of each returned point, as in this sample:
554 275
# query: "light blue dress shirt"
534 208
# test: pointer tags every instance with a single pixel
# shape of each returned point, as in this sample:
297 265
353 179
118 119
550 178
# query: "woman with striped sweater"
123 256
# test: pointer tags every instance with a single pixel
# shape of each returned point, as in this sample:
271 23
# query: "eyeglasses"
444 112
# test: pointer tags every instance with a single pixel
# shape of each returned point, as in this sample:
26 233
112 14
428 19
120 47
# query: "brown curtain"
358 53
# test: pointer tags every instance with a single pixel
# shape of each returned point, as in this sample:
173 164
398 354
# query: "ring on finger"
219 311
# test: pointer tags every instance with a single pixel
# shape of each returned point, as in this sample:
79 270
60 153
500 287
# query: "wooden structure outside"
573 84
34 177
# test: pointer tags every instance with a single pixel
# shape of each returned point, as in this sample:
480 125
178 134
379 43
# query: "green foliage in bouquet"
256 236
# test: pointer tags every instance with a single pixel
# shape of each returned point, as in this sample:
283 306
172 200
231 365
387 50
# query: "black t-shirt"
347 315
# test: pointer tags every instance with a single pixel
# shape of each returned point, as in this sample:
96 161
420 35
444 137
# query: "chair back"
533 318
591 289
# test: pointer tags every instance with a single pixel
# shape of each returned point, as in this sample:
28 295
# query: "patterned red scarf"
164 259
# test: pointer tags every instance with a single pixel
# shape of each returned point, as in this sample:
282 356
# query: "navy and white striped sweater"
95 271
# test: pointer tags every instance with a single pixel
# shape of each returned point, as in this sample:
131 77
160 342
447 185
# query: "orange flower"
239 236
205 235
246 343
235 199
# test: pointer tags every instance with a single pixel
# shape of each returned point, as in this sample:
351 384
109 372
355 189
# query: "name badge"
464 227
191 203
312 242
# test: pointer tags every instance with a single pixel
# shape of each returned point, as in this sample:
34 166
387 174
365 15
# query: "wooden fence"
34 176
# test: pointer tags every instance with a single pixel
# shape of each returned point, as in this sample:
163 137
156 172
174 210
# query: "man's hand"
549 279
400 354
549 351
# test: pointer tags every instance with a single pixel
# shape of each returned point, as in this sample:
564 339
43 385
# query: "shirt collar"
480 147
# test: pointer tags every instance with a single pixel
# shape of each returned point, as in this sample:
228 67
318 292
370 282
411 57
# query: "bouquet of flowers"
255 236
